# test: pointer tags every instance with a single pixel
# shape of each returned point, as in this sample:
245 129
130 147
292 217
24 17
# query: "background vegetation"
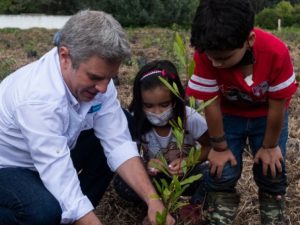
163 13
19 47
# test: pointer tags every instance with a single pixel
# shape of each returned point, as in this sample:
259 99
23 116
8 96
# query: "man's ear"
251 39
64 57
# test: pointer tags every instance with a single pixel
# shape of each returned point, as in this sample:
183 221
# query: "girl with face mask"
152 107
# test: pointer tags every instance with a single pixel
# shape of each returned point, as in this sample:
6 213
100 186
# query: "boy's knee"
227 181
268 184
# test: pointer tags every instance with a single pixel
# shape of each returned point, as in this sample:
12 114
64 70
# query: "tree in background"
161 13
129 12
284 10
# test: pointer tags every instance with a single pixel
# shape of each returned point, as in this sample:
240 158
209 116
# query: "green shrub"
267 18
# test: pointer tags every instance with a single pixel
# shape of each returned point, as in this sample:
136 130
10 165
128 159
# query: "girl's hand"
152 171
175 167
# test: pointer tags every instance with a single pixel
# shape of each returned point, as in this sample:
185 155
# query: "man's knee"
48 213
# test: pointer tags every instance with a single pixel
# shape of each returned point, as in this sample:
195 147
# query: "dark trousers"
25 200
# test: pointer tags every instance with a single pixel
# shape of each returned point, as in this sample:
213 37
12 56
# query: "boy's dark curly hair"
222 24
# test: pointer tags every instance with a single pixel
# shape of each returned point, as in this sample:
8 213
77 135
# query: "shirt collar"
72 100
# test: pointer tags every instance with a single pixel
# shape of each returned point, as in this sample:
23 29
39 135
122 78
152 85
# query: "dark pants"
25 200
237 130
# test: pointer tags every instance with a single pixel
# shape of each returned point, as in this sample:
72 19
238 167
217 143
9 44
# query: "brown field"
20 47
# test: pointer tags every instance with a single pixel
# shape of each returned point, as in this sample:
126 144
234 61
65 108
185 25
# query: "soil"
19 47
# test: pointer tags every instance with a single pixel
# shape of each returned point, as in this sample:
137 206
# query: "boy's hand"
270 158
218 160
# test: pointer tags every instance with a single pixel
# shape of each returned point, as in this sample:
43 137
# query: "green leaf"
179 205
157 185
180 49
180 42
191 68
166 193
191 179
170 87
160 167
206 103
179 55
176 88
184 166
192 102
161 217
179 122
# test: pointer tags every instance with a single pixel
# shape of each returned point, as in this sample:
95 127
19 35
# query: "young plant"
183 55
171 192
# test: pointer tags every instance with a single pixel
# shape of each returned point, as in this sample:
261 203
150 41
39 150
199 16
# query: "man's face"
91 77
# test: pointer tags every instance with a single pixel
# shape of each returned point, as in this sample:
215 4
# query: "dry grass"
154 44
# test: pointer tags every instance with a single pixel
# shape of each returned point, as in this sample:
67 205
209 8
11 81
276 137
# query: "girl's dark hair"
142 83
221 24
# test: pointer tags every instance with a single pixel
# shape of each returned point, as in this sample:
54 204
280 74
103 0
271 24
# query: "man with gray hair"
54 113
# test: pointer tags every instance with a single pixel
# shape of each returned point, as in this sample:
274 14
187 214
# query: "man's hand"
88 219
270 158
218 160
154 206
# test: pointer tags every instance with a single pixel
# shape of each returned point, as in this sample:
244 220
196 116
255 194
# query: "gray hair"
94 33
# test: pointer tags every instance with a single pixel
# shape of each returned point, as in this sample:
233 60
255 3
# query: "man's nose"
102 87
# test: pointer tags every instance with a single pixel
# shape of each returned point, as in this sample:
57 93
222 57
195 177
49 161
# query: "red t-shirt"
273 77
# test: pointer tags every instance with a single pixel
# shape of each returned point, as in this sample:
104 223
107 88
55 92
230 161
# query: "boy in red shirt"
251 72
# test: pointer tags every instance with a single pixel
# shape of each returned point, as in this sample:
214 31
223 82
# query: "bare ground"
20 47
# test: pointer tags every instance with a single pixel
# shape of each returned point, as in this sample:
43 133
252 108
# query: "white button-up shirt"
40 122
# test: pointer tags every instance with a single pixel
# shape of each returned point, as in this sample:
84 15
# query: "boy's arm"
270 153
134 174
220 153
206 146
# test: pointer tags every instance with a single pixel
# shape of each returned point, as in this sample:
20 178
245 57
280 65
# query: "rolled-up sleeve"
41 125
111 127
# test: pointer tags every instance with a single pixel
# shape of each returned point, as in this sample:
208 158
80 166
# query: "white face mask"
161 119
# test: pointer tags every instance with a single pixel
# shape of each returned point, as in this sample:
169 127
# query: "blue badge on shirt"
95 108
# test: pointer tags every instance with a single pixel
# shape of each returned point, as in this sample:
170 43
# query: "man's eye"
96 78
